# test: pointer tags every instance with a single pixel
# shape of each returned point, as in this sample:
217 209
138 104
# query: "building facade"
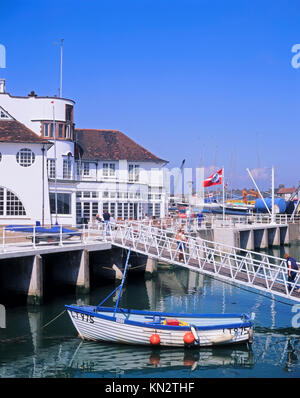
84 171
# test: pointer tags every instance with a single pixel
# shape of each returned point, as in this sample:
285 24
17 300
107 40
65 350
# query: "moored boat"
128 326
159 328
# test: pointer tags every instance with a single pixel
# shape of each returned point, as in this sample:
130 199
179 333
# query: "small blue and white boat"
117 325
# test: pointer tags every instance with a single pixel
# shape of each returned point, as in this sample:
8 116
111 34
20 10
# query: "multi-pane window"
94 209
120 213
1 201
63 203
46 130
60 130
25 157
133 172
52 130
86 169
112 209
109 170
126 210
150 209
51 168
10 204
67 168
157 209
14 207
86 210
78 211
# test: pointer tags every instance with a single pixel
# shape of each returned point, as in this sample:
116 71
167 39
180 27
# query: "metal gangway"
254 270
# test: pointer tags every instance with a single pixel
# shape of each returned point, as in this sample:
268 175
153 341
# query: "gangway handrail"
257 270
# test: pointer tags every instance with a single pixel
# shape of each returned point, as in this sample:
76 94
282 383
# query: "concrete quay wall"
251 237
34 275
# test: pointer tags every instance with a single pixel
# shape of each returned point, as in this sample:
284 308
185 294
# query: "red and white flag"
214 179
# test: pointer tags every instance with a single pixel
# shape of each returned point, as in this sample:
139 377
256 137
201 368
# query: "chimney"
2 86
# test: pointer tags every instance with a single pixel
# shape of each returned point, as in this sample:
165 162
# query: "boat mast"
117 288
259 191
122 283
223 195
273 200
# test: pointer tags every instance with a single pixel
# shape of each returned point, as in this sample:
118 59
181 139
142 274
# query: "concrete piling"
83 278
35 290
151 266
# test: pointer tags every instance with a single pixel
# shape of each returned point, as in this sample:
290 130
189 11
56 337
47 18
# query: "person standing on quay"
292 267
106 217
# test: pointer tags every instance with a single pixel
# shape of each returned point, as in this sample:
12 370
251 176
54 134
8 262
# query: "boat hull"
96 325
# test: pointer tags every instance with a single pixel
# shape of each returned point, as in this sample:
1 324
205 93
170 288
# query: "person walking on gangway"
292 268
181 242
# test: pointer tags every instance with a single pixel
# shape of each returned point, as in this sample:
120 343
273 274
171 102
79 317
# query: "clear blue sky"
209 81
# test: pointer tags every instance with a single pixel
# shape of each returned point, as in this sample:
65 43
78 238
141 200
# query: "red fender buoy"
188 338
154 339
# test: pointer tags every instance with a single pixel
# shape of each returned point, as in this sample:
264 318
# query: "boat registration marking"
82 317
243 330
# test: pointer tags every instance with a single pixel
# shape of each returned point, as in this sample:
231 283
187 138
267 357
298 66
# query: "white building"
24 192
87 171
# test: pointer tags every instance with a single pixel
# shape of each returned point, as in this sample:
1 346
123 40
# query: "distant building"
286 193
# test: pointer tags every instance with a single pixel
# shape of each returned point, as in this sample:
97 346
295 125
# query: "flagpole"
61 67
223 195
54 132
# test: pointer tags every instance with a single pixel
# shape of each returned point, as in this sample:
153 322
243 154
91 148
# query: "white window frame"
86 169
51 168
67 169
108 170
133 172
25 157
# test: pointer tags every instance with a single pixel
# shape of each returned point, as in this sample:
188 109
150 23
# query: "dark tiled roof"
111 145
14 131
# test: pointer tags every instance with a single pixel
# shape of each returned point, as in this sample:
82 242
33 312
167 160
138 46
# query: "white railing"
259 271
216 221
20 238
255 270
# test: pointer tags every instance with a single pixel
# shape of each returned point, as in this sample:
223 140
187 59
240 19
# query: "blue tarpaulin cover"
40 230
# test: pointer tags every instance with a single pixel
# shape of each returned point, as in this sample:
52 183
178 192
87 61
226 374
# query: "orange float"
188 338
154 339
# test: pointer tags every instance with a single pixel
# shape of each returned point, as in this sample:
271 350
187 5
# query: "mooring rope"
35 331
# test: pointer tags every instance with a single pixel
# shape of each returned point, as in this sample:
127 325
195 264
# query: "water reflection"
76 358
57 351
121 360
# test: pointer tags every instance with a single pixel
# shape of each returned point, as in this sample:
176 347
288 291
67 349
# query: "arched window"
10 204
25 157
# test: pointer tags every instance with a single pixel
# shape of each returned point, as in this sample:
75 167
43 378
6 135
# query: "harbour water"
29 349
